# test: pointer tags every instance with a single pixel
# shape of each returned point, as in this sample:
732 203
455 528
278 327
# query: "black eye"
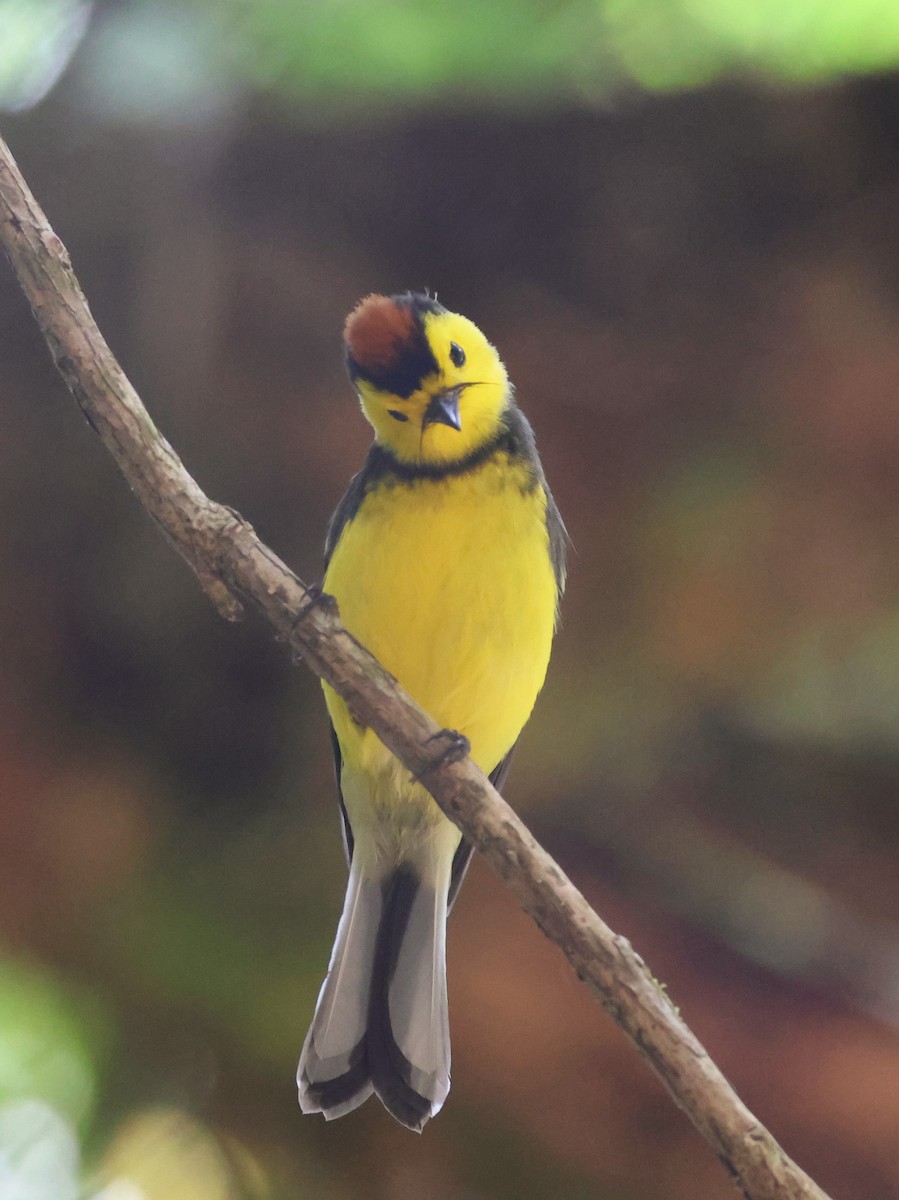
397 416
457 354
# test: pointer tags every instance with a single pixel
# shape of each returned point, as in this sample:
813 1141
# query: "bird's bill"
444 409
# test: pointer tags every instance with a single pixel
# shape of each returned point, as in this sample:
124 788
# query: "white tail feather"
417 1000
341 1014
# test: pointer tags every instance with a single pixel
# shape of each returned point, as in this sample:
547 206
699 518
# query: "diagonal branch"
235 568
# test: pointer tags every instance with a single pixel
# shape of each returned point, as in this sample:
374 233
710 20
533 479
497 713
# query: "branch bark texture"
236 569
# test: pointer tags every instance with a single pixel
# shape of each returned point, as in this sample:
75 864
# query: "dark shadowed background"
678 222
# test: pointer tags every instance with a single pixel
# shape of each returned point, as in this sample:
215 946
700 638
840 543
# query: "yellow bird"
447 559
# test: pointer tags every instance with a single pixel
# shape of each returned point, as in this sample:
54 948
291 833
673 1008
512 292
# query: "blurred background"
678 222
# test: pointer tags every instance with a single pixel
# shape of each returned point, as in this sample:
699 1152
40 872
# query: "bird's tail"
381 1021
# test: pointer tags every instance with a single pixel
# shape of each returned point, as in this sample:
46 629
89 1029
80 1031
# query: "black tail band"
391 1071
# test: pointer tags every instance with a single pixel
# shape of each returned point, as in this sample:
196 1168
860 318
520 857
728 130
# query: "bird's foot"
316 597
456 747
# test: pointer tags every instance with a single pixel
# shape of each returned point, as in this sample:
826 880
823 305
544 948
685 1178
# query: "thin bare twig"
233 566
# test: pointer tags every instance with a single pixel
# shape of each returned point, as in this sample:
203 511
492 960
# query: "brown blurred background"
683 237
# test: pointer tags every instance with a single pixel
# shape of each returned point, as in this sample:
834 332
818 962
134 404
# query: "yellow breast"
449 583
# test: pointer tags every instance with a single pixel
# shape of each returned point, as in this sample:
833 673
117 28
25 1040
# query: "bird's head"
430 383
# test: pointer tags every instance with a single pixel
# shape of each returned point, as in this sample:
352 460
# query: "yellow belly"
449 584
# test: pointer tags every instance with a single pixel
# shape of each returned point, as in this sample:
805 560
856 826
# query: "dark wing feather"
343 514
521 443
347 508
559 541
338 771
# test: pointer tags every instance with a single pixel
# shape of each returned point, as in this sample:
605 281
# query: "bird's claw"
316 597
457 747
